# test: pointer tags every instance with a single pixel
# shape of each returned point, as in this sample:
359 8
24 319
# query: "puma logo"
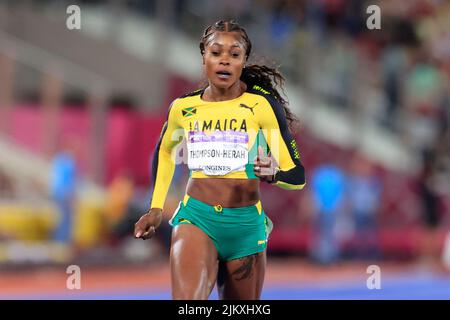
247 107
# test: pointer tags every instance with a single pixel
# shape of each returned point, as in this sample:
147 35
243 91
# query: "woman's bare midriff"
229 193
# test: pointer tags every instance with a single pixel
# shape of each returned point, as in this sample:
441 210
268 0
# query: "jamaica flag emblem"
187 112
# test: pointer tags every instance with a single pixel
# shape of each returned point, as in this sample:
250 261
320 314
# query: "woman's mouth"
224 75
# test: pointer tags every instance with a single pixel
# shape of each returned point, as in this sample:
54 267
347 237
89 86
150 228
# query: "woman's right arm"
163 168
164 159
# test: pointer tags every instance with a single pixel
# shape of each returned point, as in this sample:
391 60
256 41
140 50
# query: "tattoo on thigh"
245 271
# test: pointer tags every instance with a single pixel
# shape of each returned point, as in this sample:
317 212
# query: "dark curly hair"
266 77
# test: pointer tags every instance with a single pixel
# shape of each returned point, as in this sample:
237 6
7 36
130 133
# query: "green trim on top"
253 152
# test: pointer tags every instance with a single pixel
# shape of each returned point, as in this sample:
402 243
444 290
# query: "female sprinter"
220 229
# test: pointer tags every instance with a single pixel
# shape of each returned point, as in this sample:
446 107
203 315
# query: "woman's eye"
215 53
235 54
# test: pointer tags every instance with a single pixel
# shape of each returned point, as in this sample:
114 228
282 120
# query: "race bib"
217 153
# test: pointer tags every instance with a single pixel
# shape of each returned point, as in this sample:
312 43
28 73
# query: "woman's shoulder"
257 89
185 99
263 95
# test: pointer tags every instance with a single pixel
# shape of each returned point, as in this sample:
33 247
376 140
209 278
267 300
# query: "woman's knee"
193 260
243 278
192 280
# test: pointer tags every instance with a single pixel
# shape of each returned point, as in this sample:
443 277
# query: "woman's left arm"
290 174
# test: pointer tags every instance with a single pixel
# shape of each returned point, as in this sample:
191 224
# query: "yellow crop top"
222 139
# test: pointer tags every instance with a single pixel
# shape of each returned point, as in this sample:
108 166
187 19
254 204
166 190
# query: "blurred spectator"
126 204
119 195
6 186
445 119
138 203
428 192
393 63
434 184
364 195
123 207
328 186
424 93
63 189
124 226
282 23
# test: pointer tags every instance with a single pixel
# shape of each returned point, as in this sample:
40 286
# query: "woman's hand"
265 167
147 224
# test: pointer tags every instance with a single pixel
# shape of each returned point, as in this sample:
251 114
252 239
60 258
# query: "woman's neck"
214 94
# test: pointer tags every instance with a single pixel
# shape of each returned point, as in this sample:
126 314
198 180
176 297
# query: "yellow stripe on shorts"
186 198
259 206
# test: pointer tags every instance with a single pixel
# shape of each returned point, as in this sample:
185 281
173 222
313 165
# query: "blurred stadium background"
81 111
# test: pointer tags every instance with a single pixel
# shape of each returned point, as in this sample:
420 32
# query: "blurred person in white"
424 95
400 37
363 195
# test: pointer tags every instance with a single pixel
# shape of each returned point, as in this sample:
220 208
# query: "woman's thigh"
242 278
193 263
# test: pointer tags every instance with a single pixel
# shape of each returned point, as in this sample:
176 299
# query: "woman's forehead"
225 38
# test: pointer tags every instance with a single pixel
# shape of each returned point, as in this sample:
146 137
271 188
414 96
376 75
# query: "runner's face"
224 58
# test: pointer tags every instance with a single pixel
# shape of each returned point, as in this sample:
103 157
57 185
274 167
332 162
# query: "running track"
290 280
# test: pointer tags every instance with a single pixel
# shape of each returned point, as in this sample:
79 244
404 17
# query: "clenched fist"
146 226
265 167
